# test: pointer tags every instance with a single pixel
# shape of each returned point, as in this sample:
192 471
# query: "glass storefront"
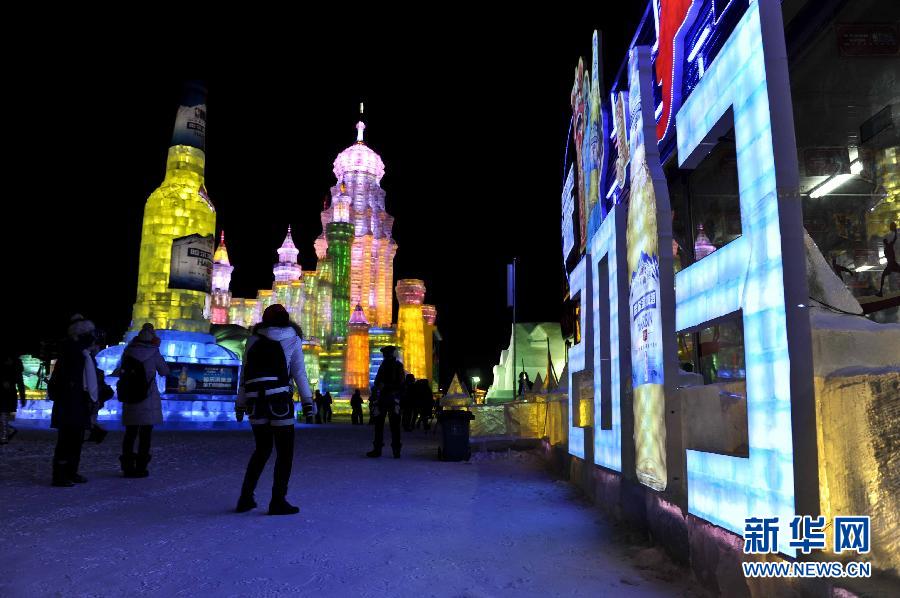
845 86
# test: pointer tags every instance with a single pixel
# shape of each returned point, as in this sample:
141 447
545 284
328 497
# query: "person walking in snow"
320 407
141 363
356 412
327 402
12 387
408 403
72 389
386 403
272 358
424 404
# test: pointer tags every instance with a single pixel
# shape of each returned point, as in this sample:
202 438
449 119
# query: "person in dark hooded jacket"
320 406
139 418
356 412
12 387
273 358
386 401
72 389
327 402
424 404
408 403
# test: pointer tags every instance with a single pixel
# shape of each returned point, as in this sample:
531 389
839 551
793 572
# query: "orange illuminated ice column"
411 325
356 372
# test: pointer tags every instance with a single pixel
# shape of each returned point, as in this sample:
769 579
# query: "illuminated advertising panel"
577 102
191 265
201 378
620 119
591 140
568 215
650 271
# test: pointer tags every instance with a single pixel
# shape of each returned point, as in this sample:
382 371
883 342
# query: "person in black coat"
12 387
356 412
327 401
320 407
388 390
73 388
408 403
371 403
424 404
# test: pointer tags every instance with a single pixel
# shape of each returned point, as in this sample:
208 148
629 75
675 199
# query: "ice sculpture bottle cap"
190 121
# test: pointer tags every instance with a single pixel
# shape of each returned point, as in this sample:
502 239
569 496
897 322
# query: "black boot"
245 503
61 476
97 434
127 462
280 506
140 466
375 452
396 450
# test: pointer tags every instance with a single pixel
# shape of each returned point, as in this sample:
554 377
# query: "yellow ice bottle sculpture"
179 211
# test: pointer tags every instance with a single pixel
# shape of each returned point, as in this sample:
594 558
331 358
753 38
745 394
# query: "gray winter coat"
149 411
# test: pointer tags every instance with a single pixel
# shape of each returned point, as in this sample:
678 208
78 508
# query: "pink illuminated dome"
358 318
359 157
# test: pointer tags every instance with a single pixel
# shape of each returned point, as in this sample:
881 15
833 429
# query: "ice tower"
357 198
411 326
221 283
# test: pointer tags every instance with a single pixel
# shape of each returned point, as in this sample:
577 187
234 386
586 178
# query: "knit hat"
79 326
388 350
276 315
147 334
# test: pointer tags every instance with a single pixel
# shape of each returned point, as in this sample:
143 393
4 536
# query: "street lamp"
475 381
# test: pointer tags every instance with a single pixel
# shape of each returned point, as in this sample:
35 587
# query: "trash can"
454 435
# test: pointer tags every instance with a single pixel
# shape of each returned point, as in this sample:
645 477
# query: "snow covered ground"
410 527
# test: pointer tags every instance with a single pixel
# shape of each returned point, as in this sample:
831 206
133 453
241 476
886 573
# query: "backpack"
265 367
133 385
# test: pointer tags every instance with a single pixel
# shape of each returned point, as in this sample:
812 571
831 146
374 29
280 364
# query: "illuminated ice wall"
612 341
747 87
731 78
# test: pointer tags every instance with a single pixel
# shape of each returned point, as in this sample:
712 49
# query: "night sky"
470 121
